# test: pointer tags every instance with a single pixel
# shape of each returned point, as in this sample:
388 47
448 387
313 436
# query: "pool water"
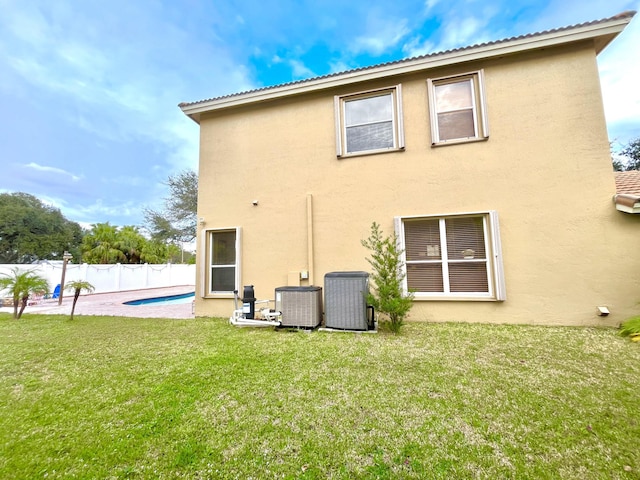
167 300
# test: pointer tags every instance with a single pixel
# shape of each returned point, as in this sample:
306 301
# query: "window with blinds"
223 260
369 122
457 108
456 256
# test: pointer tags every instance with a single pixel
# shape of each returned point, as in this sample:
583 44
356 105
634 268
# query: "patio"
112 304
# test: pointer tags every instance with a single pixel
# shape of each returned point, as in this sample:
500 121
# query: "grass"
118 398
631 328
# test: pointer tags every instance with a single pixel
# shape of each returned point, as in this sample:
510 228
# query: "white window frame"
493 248
341 128
207 266
479 107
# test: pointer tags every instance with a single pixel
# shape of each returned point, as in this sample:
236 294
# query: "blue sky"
89 89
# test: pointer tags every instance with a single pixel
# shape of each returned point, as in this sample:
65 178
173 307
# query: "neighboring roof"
628 182
602 32
627 197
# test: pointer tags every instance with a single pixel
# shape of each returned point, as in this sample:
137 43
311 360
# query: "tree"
105 243
32 231
632 152
21 285
154 252
131 242
100 245
629 157
388 296
77 286
177 221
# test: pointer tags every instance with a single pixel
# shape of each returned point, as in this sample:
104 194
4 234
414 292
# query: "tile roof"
628 182
624 15
627 197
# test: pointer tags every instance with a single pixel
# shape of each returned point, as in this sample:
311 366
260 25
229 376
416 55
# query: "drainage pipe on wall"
310 237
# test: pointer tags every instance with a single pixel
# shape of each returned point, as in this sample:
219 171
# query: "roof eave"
627 203
601 33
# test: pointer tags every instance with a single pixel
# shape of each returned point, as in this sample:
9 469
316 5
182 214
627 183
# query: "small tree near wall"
387 297
76 287
21 285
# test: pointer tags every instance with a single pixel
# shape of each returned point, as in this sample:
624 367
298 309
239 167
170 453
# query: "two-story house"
490 162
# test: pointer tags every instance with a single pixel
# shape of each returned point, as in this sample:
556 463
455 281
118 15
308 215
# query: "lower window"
223 260
452 257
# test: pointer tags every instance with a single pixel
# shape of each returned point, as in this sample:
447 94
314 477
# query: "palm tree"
100 245
77 286
154 252
131 242
20 286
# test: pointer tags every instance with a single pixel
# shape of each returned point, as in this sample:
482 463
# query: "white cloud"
619 66
54 170
416 47
429 4
339 66
562 13
185 147
117 71
300 70
125 180
462 31
382 34
26 23
131 81
98 210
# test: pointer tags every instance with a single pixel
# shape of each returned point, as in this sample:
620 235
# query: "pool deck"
111 304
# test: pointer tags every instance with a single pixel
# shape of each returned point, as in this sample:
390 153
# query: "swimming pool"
166 300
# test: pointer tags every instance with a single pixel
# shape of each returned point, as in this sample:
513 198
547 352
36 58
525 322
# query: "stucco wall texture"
545 169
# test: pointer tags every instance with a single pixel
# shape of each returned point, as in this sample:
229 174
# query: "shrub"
388 296
631 328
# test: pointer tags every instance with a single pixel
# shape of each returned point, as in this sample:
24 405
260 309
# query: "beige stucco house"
491 163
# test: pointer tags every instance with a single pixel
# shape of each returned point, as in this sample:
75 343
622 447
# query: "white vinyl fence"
113 278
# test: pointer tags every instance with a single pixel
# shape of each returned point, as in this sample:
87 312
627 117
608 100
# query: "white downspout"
310 237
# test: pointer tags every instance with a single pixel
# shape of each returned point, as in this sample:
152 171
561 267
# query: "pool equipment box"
300 306
345 296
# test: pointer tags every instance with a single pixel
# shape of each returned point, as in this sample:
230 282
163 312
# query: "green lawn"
104 397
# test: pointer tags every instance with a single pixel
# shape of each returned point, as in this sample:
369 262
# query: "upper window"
457 108
452 257
369 122
223 261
